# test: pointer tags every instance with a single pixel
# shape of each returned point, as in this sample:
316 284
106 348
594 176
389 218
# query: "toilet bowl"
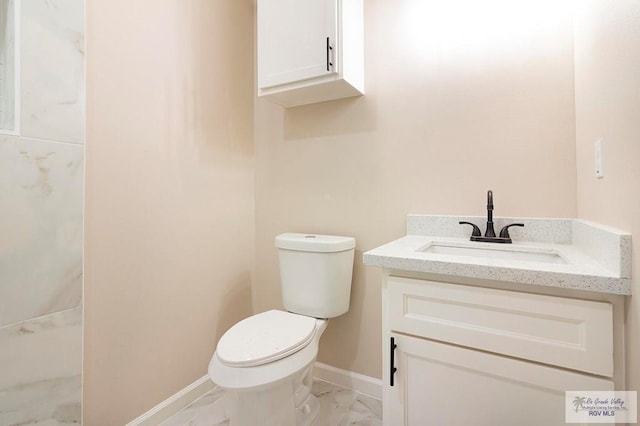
277 389
265 362
244 372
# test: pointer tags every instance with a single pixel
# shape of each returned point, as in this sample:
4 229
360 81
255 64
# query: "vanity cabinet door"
441 384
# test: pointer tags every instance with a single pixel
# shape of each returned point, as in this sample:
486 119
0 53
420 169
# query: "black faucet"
490 233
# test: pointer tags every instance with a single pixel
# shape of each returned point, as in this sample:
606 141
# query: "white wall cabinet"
310 51
467 355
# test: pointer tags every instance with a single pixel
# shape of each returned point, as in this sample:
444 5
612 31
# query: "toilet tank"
315 273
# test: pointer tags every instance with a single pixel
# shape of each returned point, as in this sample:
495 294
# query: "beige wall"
169 195
608 107
450 111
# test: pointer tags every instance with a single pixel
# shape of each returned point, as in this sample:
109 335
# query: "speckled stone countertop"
594 258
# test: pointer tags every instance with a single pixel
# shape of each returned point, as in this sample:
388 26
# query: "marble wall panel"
41 187
41 364
52 70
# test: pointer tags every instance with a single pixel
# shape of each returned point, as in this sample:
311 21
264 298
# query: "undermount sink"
501 252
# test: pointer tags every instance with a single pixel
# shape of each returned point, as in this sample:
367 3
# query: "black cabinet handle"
393 369
329 49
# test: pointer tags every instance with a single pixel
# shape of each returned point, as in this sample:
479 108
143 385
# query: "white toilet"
265 362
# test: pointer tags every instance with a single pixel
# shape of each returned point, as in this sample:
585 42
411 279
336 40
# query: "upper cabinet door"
297 40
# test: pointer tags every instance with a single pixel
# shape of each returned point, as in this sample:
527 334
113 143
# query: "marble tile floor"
338 407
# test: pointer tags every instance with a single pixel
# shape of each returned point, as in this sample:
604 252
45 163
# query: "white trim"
175 403
17 76
18 68
348 379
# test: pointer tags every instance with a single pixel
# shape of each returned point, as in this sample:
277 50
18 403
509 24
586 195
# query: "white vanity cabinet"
494 334
467 355
309 51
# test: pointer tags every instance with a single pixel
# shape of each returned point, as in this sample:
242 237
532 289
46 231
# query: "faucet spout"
490 232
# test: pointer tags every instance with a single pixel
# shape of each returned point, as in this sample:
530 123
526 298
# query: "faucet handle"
476 231
504 232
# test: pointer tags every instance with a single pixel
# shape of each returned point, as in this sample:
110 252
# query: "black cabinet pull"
393 369
329 49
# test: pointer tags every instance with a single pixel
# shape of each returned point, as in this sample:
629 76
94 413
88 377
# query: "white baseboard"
348 379
174 403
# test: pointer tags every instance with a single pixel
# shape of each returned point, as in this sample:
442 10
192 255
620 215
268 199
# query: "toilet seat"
264 338
249 379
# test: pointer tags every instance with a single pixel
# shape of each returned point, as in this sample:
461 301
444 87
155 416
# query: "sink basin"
501 252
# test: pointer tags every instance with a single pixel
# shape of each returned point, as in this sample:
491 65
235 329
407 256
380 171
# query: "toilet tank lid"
314 242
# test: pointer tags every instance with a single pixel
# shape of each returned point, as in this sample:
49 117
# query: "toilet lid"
265 338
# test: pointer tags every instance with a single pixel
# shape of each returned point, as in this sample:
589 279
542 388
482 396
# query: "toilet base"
288 403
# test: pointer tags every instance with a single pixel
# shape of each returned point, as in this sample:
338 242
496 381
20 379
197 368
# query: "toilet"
265 362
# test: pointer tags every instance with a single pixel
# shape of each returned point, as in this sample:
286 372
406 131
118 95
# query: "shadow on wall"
234 306
340 332
339 117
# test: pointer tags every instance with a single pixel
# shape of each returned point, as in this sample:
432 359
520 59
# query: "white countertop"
587 250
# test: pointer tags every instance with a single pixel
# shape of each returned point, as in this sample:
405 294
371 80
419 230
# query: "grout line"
13 324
